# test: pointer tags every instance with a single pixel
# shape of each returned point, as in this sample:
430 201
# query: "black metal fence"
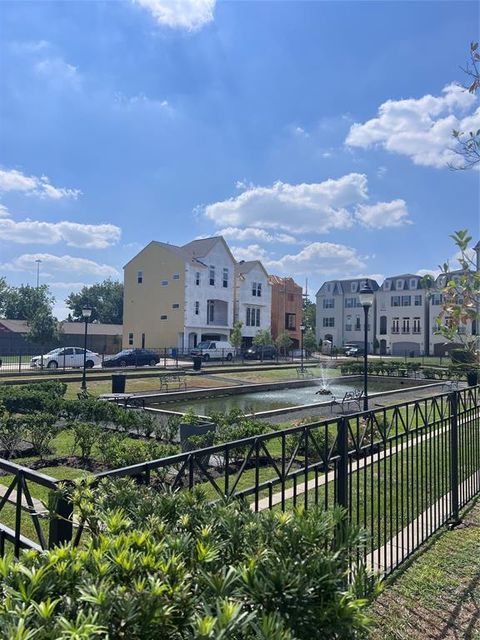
401 472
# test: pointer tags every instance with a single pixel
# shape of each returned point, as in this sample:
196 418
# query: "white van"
214 350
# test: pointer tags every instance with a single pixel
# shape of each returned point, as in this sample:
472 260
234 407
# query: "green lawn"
438 595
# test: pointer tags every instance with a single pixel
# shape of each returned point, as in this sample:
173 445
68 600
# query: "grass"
436 596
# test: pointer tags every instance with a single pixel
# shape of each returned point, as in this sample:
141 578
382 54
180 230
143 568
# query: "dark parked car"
261 353
132 358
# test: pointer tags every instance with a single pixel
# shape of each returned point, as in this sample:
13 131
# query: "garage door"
400 348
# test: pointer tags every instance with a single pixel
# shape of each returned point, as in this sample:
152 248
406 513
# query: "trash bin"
174 352
118 382
197 363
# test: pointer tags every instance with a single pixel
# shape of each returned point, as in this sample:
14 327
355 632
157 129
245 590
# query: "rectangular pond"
259 401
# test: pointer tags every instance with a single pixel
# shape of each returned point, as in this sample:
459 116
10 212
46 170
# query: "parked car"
132 358
353 350
64 357
261 353
214 350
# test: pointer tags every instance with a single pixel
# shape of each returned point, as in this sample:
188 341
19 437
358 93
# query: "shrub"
41 429
85 435
11 432
116 450
168 431
171 566
18 399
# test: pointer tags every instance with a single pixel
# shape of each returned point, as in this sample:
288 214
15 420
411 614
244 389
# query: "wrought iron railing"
401 471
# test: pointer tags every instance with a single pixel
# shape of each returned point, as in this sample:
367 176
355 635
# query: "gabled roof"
344 285
202 247
173 248
245 266
283 281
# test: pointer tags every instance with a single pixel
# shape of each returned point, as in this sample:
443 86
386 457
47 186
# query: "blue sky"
315 136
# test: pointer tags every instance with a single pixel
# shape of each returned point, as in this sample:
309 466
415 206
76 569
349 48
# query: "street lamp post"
302 331
366 300
86 313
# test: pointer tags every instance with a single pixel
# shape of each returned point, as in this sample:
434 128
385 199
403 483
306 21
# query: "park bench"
173 381
304 373
351 397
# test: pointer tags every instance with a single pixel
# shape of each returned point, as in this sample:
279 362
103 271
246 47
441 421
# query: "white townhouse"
402 316
340 316
253 299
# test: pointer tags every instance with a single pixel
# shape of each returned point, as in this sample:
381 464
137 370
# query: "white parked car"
214 350
66 357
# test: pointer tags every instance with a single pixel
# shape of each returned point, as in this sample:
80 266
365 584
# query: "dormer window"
354 287
387 285
413 283
399 285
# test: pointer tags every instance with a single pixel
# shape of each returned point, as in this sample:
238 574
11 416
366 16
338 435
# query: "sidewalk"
438 596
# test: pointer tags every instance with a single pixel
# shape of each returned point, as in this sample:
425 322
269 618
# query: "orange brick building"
287 312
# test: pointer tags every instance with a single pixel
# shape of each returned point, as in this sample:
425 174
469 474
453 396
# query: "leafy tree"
284 342
105 298
25 302
460 297
3 293
236 334
309 313
263 338
42 329
309 340
468 143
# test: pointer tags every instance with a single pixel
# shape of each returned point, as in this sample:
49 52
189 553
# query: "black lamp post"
86 313
366 300
302 331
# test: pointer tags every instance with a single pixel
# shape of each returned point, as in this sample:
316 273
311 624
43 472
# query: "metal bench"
304 373
351 397
173 380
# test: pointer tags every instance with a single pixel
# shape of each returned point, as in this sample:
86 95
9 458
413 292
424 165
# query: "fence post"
454 518
61 514
342 472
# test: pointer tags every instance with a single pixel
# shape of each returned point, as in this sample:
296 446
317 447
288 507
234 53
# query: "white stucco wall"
245 299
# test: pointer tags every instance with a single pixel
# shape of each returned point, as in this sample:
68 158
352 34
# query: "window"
197 308
399 285
328 322
357 323
395 325
139 277
164 283
354 287
290 321
418 301
437 299
225 278
395 301
197 278
413 283
387 285
130 339
406 301
248 317
416 325
329 303
210 311
348 323
253 317
257 289
211 275
175 305
176 276
163 317
406 325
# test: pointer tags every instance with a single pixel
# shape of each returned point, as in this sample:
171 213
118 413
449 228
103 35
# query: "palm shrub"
171 566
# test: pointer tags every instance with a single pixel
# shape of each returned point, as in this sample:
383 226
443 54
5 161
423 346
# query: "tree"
263 338
468 143
42 330
25 302
3 293
105 299
309 341
310 313
236 334
284 342
460 297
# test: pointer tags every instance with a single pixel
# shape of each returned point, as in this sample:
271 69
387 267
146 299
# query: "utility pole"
38 272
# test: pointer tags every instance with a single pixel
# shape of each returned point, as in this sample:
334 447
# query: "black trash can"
118 382
197 363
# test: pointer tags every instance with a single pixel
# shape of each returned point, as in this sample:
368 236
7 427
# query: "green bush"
172 566
12 431
40 430
85 435
116 450
18 399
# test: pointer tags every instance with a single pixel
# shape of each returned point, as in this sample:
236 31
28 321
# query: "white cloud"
180 14
319 259
420 128
383 214
89 236
253 233
316 207
428 272
14 180
251 252
141 100
60 264
58 72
